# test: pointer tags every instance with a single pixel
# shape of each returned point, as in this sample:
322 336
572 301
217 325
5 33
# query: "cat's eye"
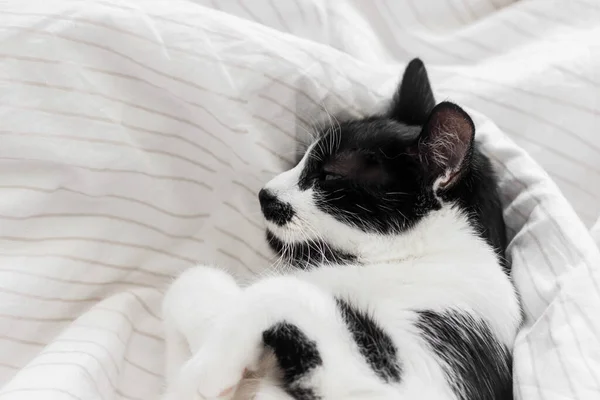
327 176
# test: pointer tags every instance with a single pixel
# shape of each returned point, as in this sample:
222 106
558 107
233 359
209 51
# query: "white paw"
217 368
214 372
190 386
196 299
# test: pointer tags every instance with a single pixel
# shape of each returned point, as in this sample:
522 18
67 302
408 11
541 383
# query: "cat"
399 287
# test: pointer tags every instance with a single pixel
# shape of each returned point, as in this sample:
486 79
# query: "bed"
135 135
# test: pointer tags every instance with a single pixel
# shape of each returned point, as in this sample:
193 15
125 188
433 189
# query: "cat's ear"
414 99
445 144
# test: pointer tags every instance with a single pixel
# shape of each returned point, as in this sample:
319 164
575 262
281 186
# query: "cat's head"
376 177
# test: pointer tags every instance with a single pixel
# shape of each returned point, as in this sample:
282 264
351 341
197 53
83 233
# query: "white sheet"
135 135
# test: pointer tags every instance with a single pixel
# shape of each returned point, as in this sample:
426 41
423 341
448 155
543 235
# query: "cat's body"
394 226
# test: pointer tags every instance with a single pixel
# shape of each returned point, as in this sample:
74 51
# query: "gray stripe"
518 110
74 281
541 143
110 196
70 365
236 258
105 216
549 262
101 141
98 240
245 243
114 171
130 269
237 210
51 299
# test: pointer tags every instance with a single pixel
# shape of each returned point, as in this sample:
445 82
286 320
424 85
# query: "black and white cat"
400 290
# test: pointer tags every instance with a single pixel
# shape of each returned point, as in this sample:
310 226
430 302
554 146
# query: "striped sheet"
135 135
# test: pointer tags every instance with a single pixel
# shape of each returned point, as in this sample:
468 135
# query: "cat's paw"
199 381
230 349
213 372
196 299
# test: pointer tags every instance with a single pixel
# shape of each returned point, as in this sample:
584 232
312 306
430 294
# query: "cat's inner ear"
414 99
445 144
356 165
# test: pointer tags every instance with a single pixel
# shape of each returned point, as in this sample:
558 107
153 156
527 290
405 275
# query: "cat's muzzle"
274 210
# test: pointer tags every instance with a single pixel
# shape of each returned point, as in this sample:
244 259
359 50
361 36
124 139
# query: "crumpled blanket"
136 134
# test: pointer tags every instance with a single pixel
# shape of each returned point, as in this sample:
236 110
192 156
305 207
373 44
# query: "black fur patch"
476 365
478 195
296 355
373 343
366 179
307 254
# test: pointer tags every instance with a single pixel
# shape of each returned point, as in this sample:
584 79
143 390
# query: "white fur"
190 308
438 265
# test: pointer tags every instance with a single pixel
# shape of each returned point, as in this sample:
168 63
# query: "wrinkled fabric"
136 135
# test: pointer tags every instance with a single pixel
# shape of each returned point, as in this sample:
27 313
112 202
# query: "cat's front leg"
295 319
192 304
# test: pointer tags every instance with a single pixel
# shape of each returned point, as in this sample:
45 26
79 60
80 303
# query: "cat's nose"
274 210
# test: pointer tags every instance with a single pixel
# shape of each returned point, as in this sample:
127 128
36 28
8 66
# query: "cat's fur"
400 291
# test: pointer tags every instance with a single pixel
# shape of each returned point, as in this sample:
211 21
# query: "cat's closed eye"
330 176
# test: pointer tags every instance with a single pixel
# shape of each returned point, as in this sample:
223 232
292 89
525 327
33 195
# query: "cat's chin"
289 233
279 238
308 252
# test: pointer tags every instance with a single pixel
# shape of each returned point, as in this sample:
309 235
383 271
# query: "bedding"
136 134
